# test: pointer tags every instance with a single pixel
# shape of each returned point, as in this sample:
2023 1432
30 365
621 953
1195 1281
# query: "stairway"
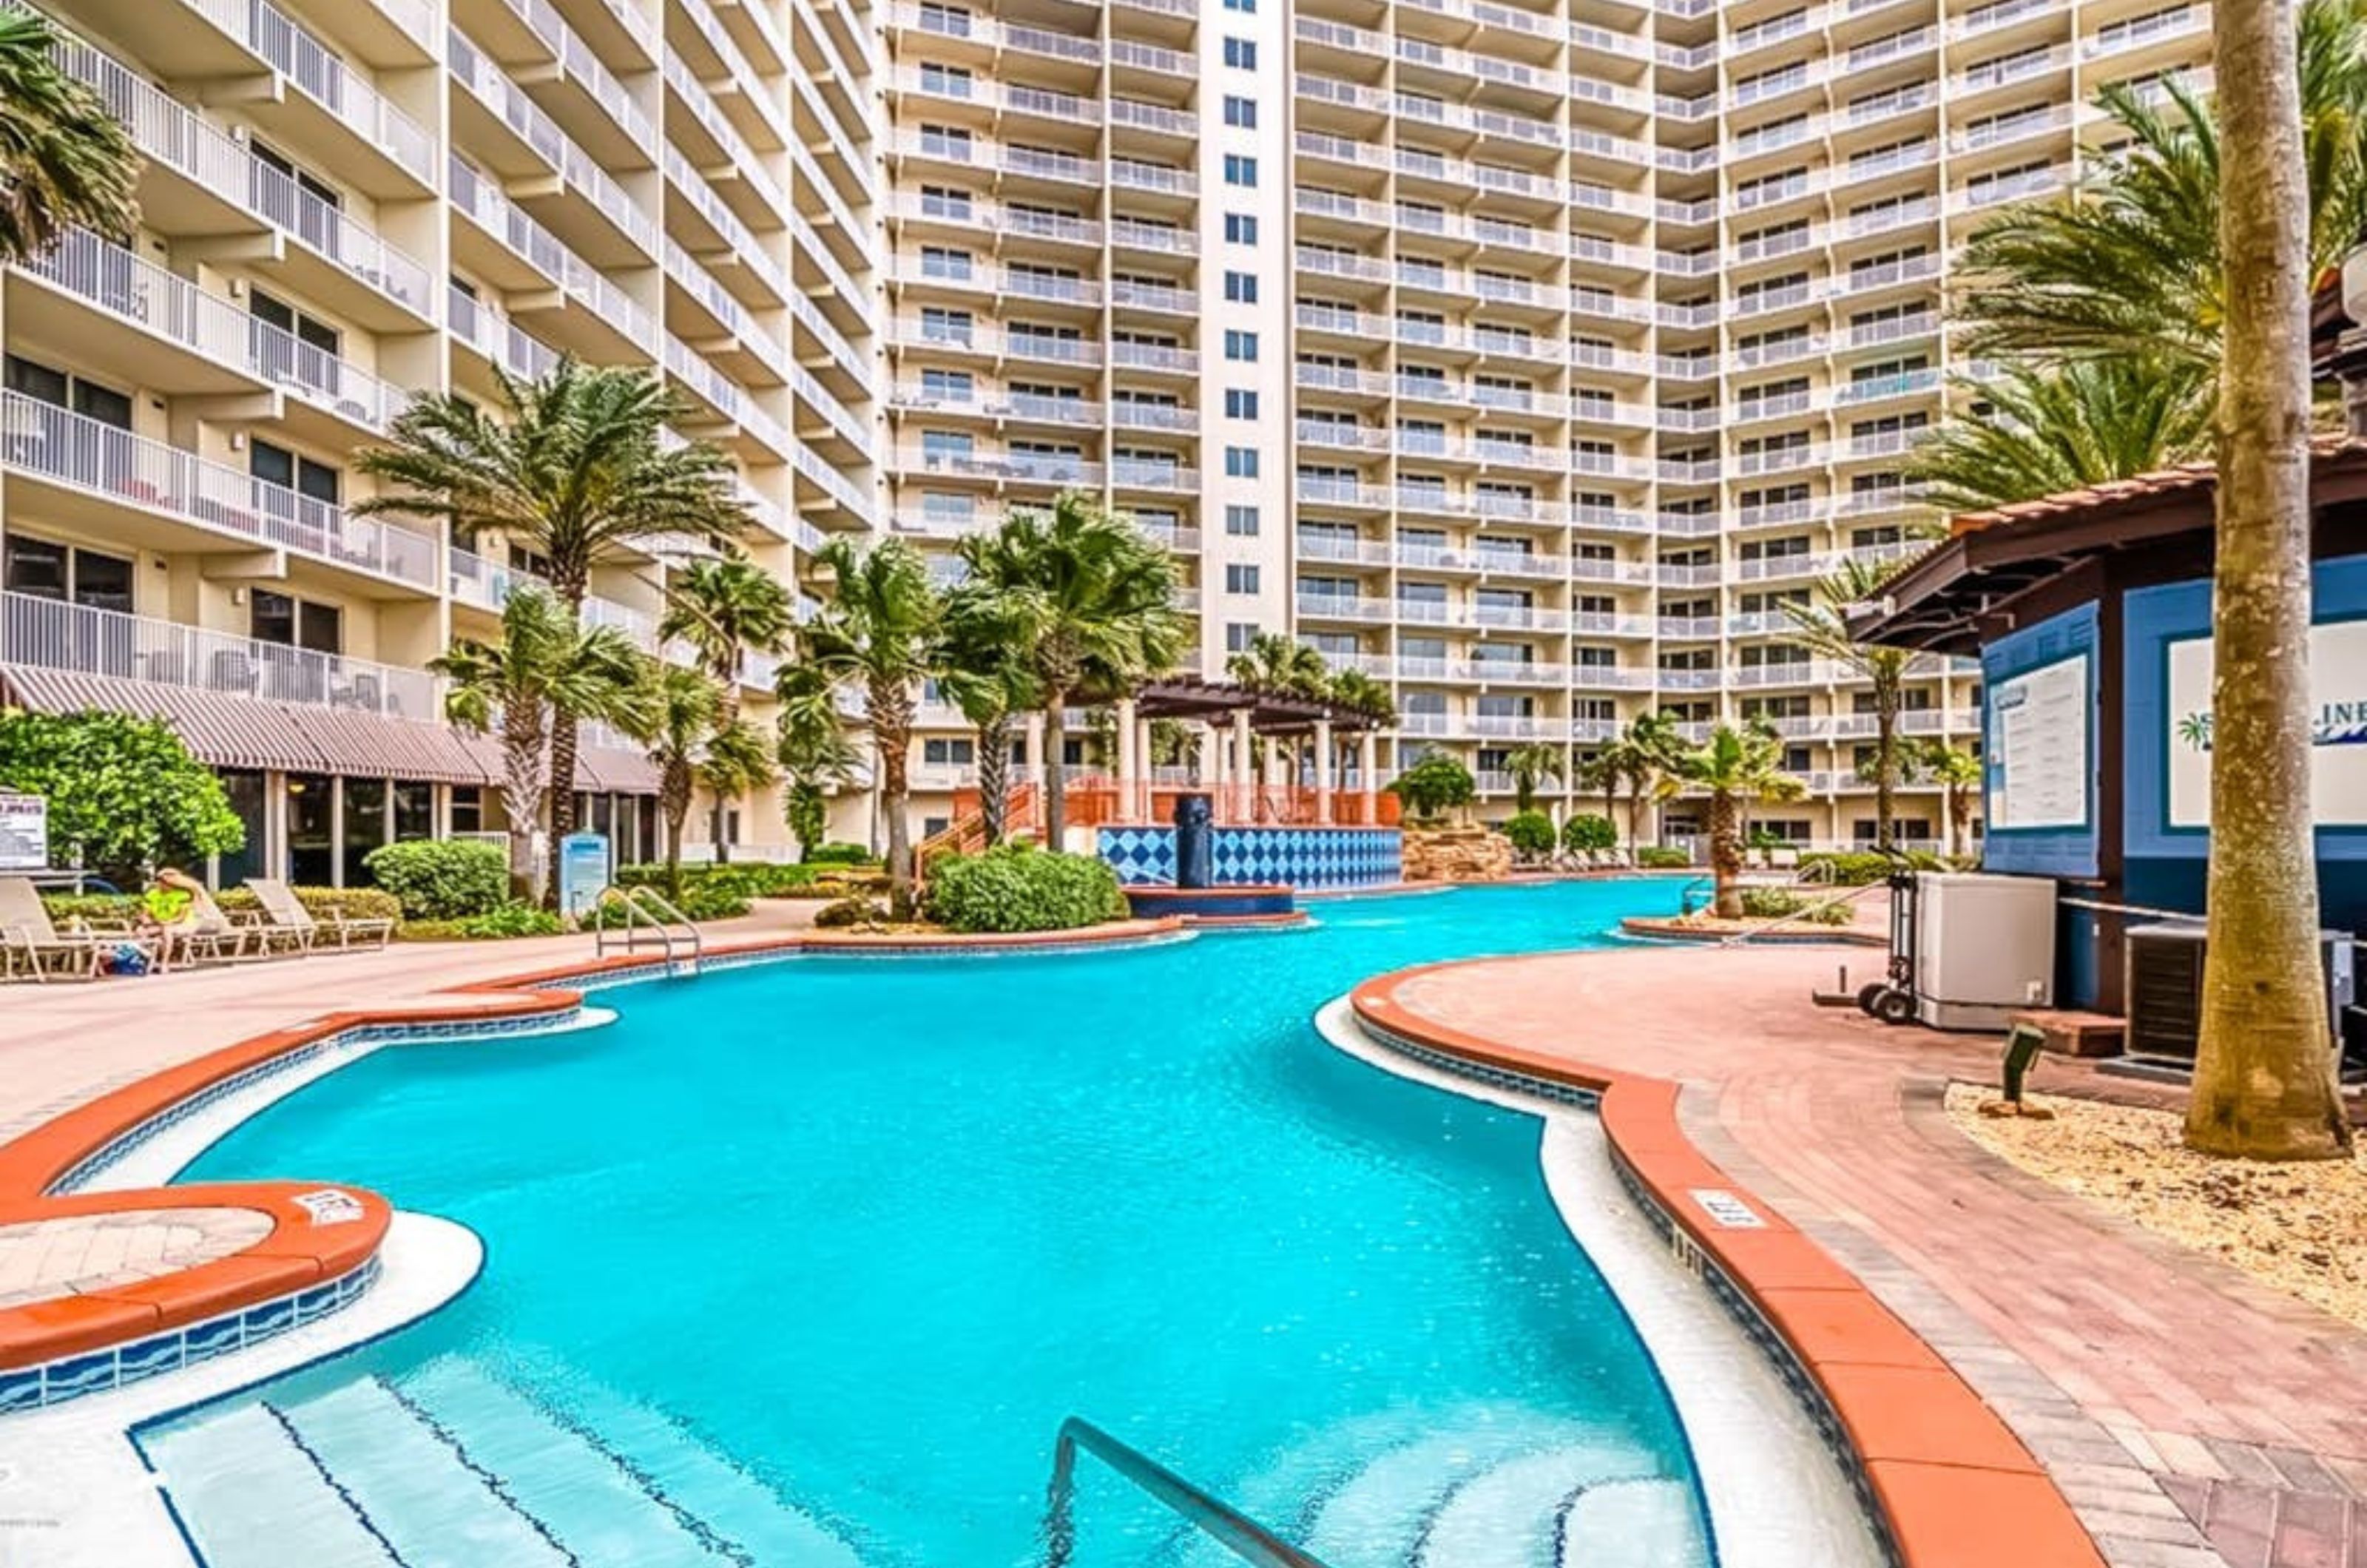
1481 1486
450 1467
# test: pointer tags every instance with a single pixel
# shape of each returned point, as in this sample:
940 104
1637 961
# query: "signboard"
2038 748
2338 704
583 870
24 832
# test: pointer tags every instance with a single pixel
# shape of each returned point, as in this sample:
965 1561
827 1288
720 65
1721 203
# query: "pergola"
1234 719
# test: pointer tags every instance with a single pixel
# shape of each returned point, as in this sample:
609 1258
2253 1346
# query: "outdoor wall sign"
2038 746
24 832
2338 701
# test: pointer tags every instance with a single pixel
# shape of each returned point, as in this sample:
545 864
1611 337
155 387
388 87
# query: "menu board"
2038 748
24 832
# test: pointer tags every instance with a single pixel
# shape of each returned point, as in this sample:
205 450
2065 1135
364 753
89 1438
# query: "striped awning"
609 769
249 732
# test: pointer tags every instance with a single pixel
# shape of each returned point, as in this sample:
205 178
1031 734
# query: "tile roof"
2341 448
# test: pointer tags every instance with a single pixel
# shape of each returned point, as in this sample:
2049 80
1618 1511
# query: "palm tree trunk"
569 589
727 713
673 796
522 742
1056 792
1725 854
1634 814
994 775
1886 764
2264 1074
890 707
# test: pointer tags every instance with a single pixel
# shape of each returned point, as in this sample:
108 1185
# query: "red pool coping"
300 1251
1952 1485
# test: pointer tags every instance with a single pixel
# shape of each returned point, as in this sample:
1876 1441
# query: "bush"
1532 833
100 909
124 795
1857 868
1663 857
326 903
1434 785
756 879
502 921
1589 834
442 879
840 854
850 912
1774 903
1016 888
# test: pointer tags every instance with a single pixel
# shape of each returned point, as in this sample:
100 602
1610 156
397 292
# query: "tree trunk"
727 713
995 776
569 589
2264 1075
1056 783
522 742
892 735
673 797
1725 853
1960 819
1885 761
1634 815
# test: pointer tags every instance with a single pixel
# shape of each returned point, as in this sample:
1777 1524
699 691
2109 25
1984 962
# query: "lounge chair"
27 935
286 920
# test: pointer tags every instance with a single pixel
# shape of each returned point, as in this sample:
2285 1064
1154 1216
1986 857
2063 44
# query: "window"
951 20
1240 347
275 464
304 348
1241 577
1242 522
1247 7
1240 404
60 389
944 261
941 325
947 386
285 188
945 751
1239 637
295 623
951 81
1240 112
1240 462
1241 169
1240 53
1240 287
45 570
1240 229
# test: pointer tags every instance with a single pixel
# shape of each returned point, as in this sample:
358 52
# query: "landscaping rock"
1456 854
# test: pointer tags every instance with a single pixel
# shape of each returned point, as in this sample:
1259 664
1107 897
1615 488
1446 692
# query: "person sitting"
178 911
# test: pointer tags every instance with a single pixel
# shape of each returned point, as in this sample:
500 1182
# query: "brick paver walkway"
41 1258
2193 1417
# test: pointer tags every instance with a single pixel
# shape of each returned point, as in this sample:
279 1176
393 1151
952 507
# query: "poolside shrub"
507 919
1774 903
1589 834
1532 833
856 911
1435 784
442 879
326 903
840 854
751 879
1857 868
1663 857
1014 888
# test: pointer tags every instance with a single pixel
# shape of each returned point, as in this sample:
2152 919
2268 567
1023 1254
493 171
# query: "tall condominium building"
1529 357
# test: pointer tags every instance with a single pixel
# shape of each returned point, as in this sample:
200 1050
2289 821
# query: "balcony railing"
327 80
40 438
50 635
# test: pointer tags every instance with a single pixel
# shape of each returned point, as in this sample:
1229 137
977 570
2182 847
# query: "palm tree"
2060 426
677 715
989 676
1957 772
880 635
1531 764
576 470
1737 767
1098 595
64 161
1635 758
2265 1084
1821 626
815 754
1281 665
724 608
1359 693
545 666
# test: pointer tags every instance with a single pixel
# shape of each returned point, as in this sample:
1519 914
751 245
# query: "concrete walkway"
2193 1417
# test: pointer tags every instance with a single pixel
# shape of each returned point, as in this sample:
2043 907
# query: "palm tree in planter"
724 608
64 161
1530 763
1737 767
575 469
544 667
1099 597
990 677
880 634
1957 772
678 711
1821 626
816 755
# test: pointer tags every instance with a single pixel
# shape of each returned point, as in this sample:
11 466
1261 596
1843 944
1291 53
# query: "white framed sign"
2338 704
2038 746
24 832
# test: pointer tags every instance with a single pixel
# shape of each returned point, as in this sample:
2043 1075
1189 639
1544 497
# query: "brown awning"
609 769
369 745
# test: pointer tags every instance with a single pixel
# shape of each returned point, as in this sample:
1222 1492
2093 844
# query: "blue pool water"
805 1264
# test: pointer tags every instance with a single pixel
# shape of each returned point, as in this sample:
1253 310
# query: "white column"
1208 758
1034 727
1368 767
1129 762
1243 757
1323 770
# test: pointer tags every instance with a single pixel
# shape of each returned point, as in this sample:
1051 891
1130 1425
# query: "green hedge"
503 920
756 879
1589 833
840 854
1857 868
1017 888
442 879
1770 903
354 903
1532 833
1663 857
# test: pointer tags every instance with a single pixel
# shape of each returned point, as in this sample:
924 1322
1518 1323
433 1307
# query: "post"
1129 762
1323 812
1244 758
1368 771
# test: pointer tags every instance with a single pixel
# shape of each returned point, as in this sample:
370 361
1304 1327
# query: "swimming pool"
805 1263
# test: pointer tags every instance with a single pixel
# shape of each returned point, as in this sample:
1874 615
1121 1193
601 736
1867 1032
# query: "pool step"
449 1466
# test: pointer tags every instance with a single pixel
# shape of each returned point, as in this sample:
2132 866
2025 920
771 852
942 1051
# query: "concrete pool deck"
2191 1417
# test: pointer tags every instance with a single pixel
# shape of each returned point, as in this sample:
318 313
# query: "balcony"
50 635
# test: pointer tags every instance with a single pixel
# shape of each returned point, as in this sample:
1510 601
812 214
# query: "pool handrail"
641 905
1219 1520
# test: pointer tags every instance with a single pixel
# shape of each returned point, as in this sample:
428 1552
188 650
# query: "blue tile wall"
1296 857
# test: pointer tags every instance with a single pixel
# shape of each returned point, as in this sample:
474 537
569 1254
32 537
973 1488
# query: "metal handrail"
647 904
1219 1521
1846 896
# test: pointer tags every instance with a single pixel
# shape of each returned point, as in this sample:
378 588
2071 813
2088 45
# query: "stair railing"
1806 911
1219 1520
646 910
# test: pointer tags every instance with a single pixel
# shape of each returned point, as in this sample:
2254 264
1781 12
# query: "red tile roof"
2178 478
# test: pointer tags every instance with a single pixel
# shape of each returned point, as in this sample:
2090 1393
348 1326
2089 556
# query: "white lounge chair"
31 939
287 920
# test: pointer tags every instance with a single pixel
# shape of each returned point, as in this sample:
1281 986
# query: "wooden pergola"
1235 719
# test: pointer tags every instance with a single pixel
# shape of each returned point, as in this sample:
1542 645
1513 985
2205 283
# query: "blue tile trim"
1297 857
1722 1286
50 1383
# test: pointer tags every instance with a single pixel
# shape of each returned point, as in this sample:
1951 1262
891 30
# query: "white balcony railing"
320 75
50 635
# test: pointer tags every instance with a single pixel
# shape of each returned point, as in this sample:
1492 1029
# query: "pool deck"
2192 1417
